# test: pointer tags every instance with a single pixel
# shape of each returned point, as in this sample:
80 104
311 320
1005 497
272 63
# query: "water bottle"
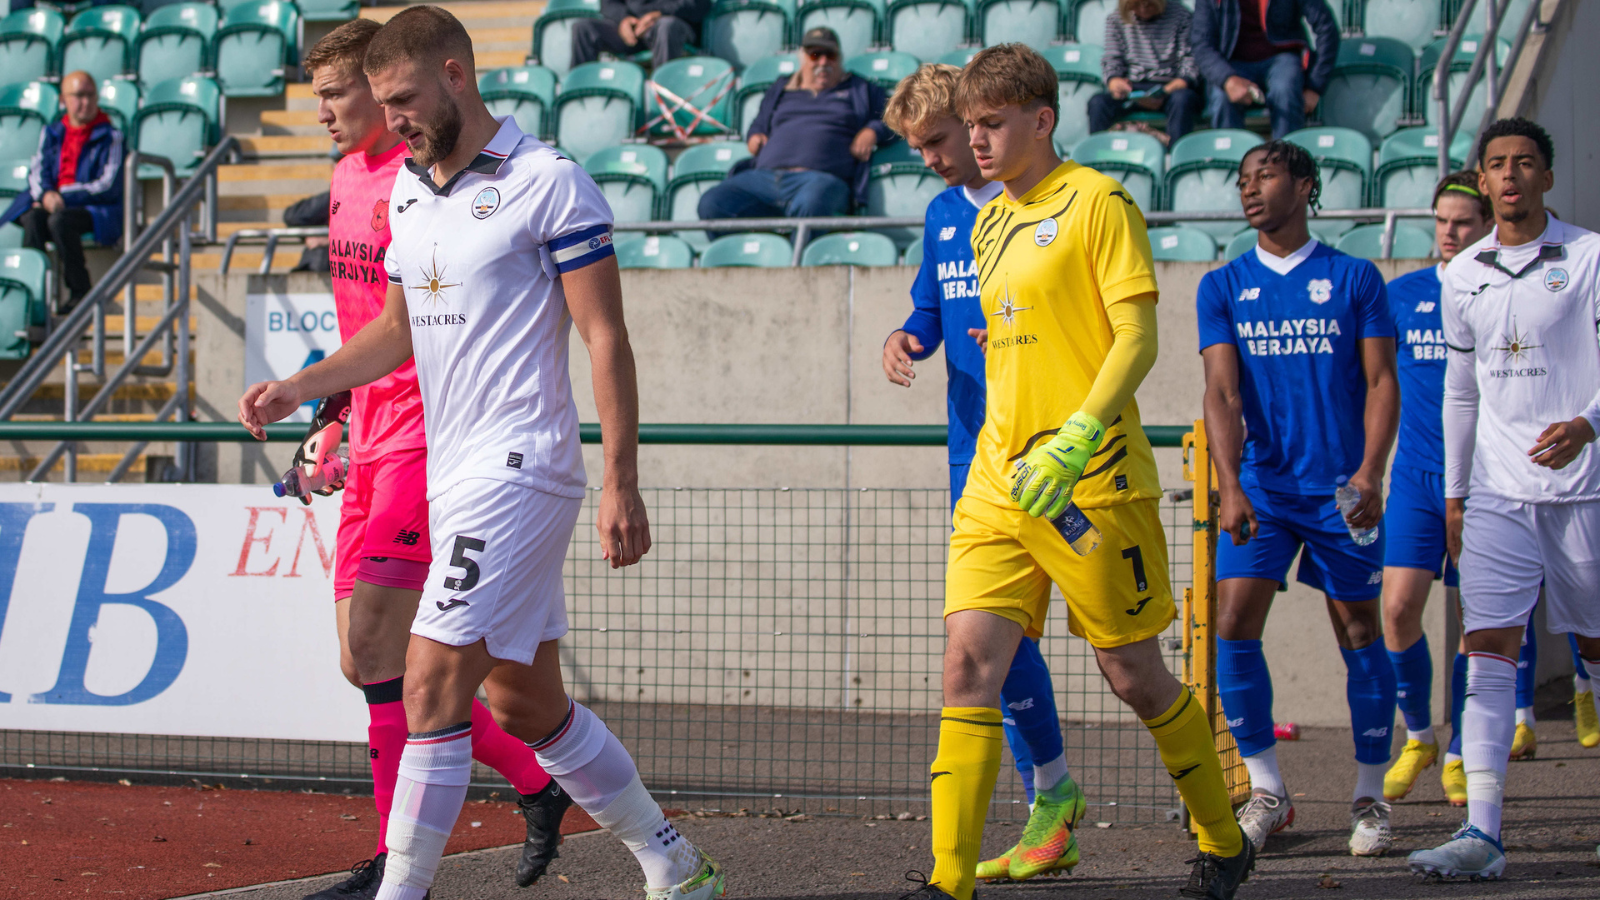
302 481
1080 533
1346 496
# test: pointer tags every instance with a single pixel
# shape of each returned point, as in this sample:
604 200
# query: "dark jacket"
691 11
867 100
1215 30
99 185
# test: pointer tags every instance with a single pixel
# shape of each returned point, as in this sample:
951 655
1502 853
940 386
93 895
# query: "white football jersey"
480 259
1525 317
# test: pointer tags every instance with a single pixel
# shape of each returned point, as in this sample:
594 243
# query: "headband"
1471 192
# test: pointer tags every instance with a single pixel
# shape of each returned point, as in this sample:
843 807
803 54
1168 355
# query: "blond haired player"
1068 288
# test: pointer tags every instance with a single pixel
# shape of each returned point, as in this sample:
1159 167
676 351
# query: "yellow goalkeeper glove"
1045 480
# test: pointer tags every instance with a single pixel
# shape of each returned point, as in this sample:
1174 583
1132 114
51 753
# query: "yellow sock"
963 780
1190 755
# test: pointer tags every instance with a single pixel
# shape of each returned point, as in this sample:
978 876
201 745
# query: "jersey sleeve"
1374 320
925 322
1458 334
572 217
1119 248
1211 311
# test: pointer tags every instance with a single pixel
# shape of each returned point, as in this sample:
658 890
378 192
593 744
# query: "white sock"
1592 669
1451 757
1525 716
588 761
1581 684
1050 774
1264 774
1425 736
1369 781
434 770
1487 725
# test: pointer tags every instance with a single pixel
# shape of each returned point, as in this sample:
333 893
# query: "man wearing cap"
810 141
625 26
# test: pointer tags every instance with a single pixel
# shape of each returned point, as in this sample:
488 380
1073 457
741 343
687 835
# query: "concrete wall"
1565 104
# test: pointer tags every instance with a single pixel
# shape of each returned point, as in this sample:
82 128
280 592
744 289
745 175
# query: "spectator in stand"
1148 61
74 185
1256 51
665 26
811 141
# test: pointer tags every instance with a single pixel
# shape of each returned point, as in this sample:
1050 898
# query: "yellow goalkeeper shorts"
1002 561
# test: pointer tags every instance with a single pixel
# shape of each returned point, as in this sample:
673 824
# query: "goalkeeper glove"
322 440
1045 479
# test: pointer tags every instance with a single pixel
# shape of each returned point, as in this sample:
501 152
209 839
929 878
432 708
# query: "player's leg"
1405 593
1584 716
1033 732
1568 535
1454 776
1525 744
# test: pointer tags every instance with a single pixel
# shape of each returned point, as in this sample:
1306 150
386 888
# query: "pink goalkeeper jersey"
386 415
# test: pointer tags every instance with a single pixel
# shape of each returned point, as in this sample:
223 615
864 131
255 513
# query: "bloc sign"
284 333
171 609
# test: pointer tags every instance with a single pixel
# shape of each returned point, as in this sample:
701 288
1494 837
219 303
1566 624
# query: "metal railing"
1485 67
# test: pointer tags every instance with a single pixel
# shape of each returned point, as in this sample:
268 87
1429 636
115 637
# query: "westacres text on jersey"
446 319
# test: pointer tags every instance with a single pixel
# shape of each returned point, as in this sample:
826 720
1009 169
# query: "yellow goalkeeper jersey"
1049 264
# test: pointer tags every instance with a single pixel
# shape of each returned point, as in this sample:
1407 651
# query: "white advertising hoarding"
284 333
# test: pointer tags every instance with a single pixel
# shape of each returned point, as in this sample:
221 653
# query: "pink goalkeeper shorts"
384 517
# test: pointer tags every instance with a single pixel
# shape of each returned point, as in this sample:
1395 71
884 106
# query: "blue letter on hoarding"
172 638
13 525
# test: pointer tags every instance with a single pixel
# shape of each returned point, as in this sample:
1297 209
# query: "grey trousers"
666 39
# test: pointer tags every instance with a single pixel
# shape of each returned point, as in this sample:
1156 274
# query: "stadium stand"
23 279
886 67
1408 167
1344 158
24 111
692 95
633 178
900 185
1086 19
328 10
958 58
754 83
857 22
13 181
1180 243
1370 87
552 32
1077 78
175 41
100 41
851 248
698 169
179 121
119 100
1366 241
1136 159
1460 64
745 32
29 39
929 29
751 249
526 93
1411 22
662 251
1200 175
257 43
598 105
1036 23
913 255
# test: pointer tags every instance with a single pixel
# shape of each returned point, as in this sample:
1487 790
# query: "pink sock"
386 740
504 753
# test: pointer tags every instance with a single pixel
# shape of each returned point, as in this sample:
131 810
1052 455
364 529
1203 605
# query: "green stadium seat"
598 106
256 44
705 84
552 32
22 299
633 178
178 121
525 93
14 176
1180 243
1369 87
176 41
29 39
1246 239
24 111
1408 168
1087 19
658 251
851 248
1036 23
329 10
857 22
120 101
1136 159
1201 175
1078 78
749 249
1344 158
913 255
754 82
929 29
899 185
1428 64
886 67
10 236
958 58
698 169
100 40
1412 22
1410 242
744 32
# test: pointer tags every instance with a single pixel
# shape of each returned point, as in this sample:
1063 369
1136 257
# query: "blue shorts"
1331 562
958 481
1413 521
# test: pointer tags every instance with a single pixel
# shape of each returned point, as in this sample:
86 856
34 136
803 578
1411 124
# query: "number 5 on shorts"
459 560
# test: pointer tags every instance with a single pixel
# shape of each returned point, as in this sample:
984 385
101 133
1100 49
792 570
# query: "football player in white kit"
1522 487
500 245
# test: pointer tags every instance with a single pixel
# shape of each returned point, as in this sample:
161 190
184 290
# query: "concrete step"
274 172
116 417
128 392
299 122
88 463
286 145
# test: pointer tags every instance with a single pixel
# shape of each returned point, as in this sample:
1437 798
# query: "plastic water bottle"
1080 533
1346 496
302 481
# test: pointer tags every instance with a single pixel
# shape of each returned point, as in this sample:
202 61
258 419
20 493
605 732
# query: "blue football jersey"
1420 357
947 304
1300 375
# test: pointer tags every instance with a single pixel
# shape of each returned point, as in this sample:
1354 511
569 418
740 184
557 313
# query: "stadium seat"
1201 175
886 67
1078 78
744 32
754 83
10 236
857 22
258 40
178 121
1344 157
24 111
633 178
598 106
1036 23
899 185
698 169
1369 86
696 92
913 255
1239 244
1136 159
753 249
1510 19
1087 19
328 10
958 58
1408 168
100 40
658 251
120 101
1412 22
851 248
525 93
14 176
552 32
22 299
1180 243
29 39
929 29
175 41
1410 242
1428 64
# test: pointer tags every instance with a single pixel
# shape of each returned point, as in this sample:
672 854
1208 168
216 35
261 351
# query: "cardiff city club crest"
1320 289
380 215
484 205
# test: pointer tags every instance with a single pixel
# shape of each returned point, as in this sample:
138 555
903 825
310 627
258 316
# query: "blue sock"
1413 681
1029 701
1527 666
1369 687
1458 700
1246 689
1577 658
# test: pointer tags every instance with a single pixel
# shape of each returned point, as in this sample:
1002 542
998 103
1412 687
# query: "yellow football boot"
1584 718
1047 843
1455 782
1525 745
1402 776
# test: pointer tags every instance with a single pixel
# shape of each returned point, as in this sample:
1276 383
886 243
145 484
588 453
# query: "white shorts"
1510 548
498 548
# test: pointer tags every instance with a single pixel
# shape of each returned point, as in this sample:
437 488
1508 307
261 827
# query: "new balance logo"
1182 772
446 607
1235 723
947 232
409 538
1250 294
405 206
1375 732
1138 608
1021 705
1375 577
1426 306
